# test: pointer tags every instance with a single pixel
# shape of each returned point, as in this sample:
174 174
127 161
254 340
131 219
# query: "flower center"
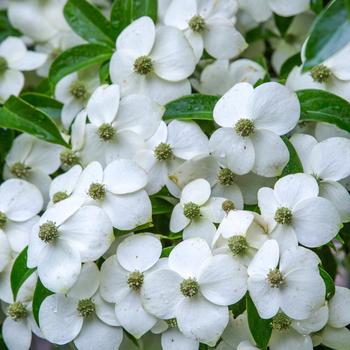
19 170
3 220
59 196
321 73
78 90
3 65
48 232
228 205
163 151
281 322
244 127
275 278
283 216
86 308
172 323
106 132
226 177
135 280
191 210
189 287
290 38
238 245
69 158
197 24
97 191
143 65
17 311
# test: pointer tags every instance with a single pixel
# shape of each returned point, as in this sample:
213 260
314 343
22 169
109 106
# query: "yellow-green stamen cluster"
135 280
226 177
3 220
86 308
59 196
189 287
48 232
191 210
17 311
78 90
143 65
281 322
69 158
197 24
19 170
321 73
97 191
238 245
275 278
172 323
163 151
244 127
106 132
283 216
227 205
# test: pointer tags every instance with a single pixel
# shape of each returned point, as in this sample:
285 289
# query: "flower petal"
17 335
197 191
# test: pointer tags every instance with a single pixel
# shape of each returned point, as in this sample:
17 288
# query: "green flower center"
244 127
172 323
191 210
135 280
228 205
275 278
197 24
238 245
106 132
3 65
226 177
3 220
97 191
189 287
19 170
17 311
48 232
163 151
283 216
281 322
78 90
143 65
321 73
69 158
86 308
59 196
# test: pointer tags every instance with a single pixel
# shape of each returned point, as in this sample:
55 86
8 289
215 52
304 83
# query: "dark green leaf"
193 107
294 165
330 32
160 206
289 64
238 308
328 281
6 138
88 22
259 33
77 58
166 251
6 28
20 115
125 11
328 260
20 272
40 294
104 73
2 343
44 88
259 328
282 23
322 106
316 5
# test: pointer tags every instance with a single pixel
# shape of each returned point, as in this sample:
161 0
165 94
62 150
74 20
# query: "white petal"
232 192
5 251
336 338
178 220
29 61
286 9
259 10
180 12
173 339
197 191
70 110
17 335
338 63
212 210
290 340
66 182
338 308
93 173
105 311
20 149
201 228
196 42
268 205
11 83
62 89
78 131
237 222
314 323
12 49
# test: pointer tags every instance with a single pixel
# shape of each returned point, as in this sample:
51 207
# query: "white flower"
5 251
219 76
167 148
20 202
195 289
67 235
295 213
152 61
81 315
122 281
329 162
15 58
251 121
207 25
33 160
288 281
118 128
197 211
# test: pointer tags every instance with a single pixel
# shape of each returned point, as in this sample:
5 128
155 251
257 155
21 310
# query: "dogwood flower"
286 280
5 251
81 315
251 121
197 211
118 128
20 202
204 22
142 63
67 235
295 213
15 58
195 289
122 281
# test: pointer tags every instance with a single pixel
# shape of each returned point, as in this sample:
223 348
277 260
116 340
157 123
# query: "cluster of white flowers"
159 233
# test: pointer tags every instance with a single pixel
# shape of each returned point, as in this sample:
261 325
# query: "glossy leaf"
330 286
322 106
40 294
77 58
238 308
294 165
20 115
6 28
282 23
289 64
160 206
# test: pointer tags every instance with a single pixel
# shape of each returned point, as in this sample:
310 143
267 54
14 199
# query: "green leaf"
125 11
294 165
316 5
259 33
160 206
238 308
259 328
193 107
6 138
328 260
289 64
77 58
88 22
322 106
329 33
40 294
20 272
166 251
2 342
282 23
6 28
104 73
20 115
328 281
